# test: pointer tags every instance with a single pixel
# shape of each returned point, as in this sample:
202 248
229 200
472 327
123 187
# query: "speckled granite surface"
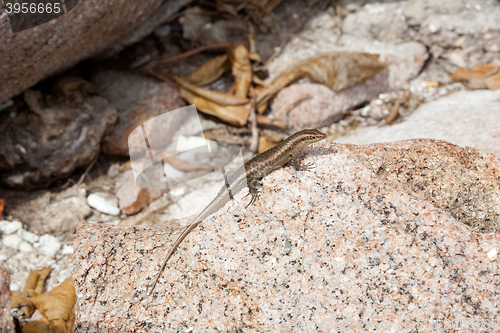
6 321
373 239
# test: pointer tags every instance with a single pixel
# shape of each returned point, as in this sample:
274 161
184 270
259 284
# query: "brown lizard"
251 173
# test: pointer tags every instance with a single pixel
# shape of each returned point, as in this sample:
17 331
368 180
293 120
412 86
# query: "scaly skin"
252 173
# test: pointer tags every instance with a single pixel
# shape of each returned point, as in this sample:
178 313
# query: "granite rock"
466 118
378 237
6 322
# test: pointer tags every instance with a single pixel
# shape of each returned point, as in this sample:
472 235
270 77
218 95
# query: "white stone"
48 245
12 241
67 249
25 247
3 257
186 143
492 255
171 172
8 227
28 236
101 204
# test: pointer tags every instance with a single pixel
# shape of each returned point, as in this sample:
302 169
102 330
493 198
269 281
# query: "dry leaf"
21 302
481 77
263 120
337 70
463 74
493 82
241 69
55 306
267 141
233 114
209 71
37 326
214 96
58 306
394 113
237 136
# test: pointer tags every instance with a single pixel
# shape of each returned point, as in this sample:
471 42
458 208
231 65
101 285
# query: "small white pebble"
178 192
67 249
365 110
478 7
338 259
3 257
12 241
433 28
48 245
8 227
82 191
101 204
25 247
28 236
492 255
190 142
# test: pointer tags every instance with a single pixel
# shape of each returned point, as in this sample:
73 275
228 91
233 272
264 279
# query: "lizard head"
311 135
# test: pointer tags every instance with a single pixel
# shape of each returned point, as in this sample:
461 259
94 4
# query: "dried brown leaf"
263 120
493 82
241 69
337 70
37 326
22 301
209 95
57 306
209 71
233 114
2 206
483 71
267 141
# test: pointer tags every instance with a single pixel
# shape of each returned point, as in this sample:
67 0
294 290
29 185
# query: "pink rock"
378 237
6 322
311 105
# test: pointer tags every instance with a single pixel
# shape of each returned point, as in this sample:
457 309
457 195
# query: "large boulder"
91 27
392 237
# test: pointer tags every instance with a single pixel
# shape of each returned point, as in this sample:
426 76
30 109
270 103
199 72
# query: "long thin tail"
179 240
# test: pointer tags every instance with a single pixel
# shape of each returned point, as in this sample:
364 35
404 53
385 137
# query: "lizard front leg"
253 185
296 165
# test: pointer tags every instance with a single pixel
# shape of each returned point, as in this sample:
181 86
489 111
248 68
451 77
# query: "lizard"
251 173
